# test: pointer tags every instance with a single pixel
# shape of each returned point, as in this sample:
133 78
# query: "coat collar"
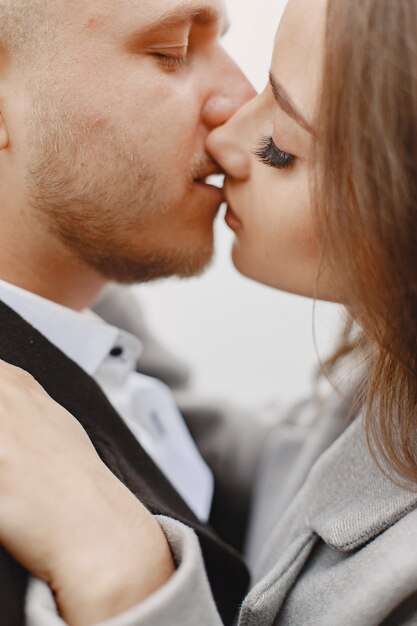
349 499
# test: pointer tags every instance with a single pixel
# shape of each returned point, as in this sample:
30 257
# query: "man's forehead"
149 13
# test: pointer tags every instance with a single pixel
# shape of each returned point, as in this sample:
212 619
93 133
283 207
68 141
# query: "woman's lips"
232 220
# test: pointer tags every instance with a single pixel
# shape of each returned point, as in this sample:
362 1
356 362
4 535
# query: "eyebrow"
286 104
204 15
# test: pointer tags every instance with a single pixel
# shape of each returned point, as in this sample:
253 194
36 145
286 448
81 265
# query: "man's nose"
233 92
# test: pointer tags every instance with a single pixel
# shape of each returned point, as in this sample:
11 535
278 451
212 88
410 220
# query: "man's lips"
212 184
211 177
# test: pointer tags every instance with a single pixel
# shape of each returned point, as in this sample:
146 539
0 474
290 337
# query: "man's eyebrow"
203 15
285 103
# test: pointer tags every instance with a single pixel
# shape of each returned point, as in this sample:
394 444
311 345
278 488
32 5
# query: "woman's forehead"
298 55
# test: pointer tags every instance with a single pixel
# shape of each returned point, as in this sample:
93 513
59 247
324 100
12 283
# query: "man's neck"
52 274
82 296
33 259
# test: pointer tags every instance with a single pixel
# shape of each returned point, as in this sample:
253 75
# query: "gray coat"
332 540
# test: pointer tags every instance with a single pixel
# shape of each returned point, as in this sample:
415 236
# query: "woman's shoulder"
374 583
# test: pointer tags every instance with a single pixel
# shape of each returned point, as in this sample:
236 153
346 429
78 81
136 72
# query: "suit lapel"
70 386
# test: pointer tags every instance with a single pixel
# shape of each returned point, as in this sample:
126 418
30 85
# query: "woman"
322 192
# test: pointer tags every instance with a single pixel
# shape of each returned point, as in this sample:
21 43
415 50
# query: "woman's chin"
244 263
302 283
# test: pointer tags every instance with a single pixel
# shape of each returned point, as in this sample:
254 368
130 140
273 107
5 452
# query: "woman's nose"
223 145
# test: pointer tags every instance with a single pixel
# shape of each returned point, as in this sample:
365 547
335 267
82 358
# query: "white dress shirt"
110 355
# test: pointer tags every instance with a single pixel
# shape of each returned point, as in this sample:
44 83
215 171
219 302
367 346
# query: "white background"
245 343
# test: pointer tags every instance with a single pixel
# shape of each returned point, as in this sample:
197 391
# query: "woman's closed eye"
269 154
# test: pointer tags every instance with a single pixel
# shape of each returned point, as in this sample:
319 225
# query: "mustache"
203 167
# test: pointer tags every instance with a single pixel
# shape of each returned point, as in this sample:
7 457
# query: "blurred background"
245 343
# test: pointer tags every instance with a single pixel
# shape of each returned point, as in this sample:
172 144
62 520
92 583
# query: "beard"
92 191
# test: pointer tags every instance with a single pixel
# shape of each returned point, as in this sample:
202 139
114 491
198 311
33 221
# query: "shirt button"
116 351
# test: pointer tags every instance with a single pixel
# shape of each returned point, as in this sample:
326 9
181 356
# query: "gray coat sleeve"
186 599
405 614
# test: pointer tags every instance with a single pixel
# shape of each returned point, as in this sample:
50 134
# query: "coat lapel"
350 500
264 602
345 502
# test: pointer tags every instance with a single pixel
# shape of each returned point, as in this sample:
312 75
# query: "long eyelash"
269 154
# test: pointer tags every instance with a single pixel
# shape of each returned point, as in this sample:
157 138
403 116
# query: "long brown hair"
367 204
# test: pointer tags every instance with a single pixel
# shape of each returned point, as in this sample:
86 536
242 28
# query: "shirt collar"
82 336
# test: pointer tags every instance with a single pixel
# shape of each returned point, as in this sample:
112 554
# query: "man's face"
116 115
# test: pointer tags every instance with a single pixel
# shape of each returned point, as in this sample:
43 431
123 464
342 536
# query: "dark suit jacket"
22 345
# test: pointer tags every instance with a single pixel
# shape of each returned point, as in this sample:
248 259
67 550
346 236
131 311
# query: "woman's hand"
65 516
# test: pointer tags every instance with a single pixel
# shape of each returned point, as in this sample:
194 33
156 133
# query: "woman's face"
267 153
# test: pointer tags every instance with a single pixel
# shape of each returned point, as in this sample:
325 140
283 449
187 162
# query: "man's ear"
4 135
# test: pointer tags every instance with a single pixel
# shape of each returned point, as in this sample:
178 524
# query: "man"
104 112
